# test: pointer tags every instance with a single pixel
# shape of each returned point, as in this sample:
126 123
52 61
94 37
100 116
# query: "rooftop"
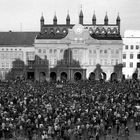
17 38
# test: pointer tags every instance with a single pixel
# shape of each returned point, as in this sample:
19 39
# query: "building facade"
80 51
131 51
64 51
16 48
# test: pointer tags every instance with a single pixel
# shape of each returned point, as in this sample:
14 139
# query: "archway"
77 76
113 76
42 76
63 76
135 76
30 75
53 76
92 76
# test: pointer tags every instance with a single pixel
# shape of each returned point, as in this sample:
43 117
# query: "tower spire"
106 19
81 16
41 21
68 18
94 19
55 19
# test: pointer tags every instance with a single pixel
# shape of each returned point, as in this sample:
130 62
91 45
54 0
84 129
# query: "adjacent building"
16 48
131 51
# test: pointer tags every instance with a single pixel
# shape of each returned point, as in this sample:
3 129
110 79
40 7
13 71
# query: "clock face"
78 29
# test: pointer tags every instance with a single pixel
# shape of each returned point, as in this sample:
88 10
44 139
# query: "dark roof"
106 36
17 38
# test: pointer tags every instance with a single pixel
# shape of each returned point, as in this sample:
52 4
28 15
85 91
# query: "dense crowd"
70 110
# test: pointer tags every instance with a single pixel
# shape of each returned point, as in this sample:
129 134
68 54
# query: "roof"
17 38
132 33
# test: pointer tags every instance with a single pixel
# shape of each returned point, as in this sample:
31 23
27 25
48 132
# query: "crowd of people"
68 110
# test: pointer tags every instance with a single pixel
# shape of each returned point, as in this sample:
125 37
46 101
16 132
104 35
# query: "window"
117 61
138 56
126 47
94 51
61 50
124 56
75 51
124 64
112 61
131 56
90 51
105 61
131 64
50 51
105 51
101 51
117 51
132 47
137 47
44 51
55 51
39 51
112 51
2 65
101 61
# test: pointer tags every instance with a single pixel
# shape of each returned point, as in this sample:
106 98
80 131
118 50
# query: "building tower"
68 19
106 19
55 20
118 20
94 19
81 17
41 22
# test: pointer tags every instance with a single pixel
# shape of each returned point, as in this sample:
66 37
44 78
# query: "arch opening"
113 77
42 76
135 76
64 76
53 76
92 76
77 76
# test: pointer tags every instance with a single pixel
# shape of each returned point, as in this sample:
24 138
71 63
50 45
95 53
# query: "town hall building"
69 51
80 51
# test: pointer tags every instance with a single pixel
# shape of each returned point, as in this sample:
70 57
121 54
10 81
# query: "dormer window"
57 31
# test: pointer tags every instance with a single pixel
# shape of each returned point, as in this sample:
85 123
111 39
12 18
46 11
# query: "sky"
24 15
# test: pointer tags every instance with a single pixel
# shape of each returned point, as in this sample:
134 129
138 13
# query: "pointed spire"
68 16
42 17
81 16
55 19
94 19
41 22
118 17
94 16
68 19
106 19
118 21
81 12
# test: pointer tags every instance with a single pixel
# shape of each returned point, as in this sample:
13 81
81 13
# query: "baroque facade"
65 51
80 51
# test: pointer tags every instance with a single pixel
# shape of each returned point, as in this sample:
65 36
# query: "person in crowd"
68 110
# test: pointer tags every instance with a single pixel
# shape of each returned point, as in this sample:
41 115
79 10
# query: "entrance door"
30 75
42 76
77 76
92 76
63 76
53 76
114 76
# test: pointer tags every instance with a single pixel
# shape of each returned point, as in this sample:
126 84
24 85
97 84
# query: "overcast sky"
14 13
